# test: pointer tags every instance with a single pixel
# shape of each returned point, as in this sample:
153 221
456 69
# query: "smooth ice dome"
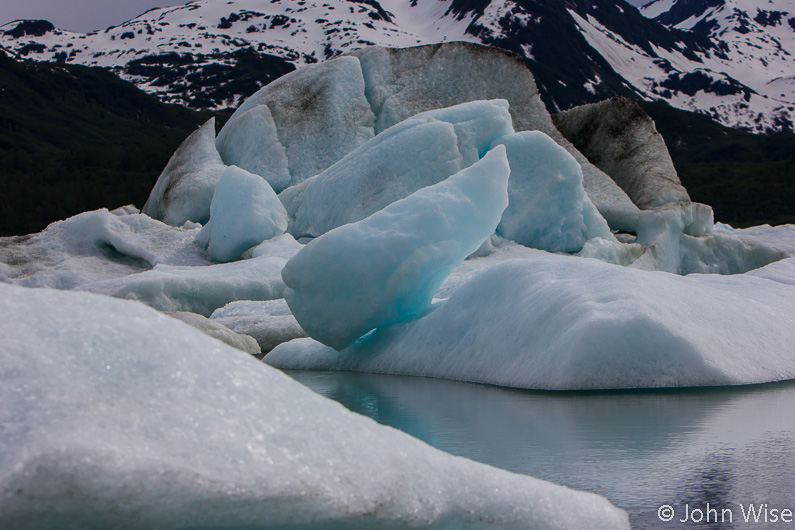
244 212
567 323
185 187
116 416
417 152
385 268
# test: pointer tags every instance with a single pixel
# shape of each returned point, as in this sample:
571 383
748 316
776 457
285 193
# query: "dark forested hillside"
748 179
74 138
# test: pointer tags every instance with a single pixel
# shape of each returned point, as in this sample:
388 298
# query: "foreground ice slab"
557 322
219 439
385 268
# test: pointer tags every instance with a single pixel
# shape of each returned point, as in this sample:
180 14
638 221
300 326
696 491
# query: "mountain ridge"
579 51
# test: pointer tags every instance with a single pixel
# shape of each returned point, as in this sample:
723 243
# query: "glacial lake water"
728 447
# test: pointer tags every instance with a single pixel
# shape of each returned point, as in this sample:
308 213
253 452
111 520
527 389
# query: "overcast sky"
80 15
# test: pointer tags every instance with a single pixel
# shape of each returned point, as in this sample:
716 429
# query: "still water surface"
727 447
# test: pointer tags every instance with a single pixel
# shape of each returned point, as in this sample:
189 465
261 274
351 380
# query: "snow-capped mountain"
730 59
751 36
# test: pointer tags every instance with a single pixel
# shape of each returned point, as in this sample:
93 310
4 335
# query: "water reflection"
722 447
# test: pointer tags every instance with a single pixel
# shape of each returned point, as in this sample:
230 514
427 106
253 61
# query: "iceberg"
385 268
402 82
219 438
417 152
548 206
619 138
251 143
567 323
185 188
395 214
244 212
319 112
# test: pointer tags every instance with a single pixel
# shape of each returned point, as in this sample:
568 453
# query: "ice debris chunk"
548 207
251 143
566 323
185 187
220 439
385 268
417 152
320 114
218 331
269 322
244 212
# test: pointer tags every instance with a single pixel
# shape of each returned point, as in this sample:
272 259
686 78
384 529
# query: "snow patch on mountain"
732 87
733 61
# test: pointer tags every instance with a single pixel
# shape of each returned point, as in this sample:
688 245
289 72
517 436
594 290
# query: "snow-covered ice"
561 322
94 246
244 212
385 268
199 290
116 416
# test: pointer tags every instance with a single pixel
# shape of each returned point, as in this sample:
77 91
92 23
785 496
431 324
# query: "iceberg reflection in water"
729 447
